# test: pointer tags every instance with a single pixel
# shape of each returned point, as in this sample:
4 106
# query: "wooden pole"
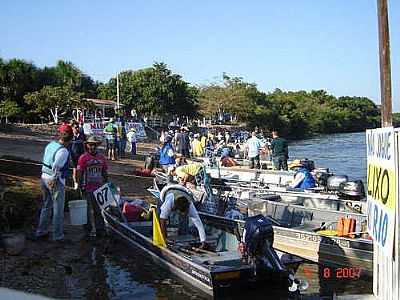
117 92
384 62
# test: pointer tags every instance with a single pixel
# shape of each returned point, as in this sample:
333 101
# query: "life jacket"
165 159
49 157
308 182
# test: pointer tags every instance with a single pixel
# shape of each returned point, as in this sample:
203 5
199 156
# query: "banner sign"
96 128
382 187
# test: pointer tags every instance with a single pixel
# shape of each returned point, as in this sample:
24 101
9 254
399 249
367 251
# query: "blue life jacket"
49 157
308 182
165 159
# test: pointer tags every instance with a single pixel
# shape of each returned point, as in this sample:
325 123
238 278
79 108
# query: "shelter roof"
103 102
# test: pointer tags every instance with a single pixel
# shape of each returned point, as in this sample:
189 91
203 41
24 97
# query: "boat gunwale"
209 289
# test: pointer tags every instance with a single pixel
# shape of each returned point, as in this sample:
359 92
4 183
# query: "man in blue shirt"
253 146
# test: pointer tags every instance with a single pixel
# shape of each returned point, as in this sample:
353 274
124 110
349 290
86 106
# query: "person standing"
123 140
52 185
92 174
279 152
183 142
253 146
167 155
131 136
110 135
77 148
197 147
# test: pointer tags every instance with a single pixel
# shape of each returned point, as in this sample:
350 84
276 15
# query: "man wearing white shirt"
182 205
253 146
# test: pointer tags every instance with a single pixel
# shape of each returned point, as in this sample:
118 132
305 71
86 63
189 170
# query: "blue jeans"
133 151
53 202
122 145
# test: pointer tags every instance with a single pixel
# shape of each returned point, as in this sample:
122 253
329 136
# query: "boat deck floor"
182 244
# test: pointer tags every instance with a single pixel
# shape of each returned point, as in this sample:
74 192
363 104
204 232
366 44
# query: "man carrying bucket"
92 174
52 184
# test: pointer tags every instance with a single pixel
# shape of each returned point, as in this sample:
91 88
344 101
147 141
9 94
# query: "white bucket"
78 212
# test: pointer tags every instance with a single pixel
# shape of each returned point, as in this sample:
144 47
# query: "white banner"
96 128
382 187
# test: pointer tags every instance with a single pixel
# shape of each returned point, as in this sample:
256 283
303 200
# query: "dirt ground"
44 267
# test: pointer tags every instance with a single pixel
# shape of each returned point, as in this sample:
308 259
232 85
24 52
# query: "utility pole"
117 92
384 62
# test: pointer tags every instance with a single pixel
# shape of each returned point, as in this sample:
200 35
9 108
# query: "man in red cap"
52 183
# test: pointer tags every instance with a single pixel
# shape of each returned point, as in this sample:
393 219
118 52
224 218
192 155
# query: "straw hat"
93 140
295 164
133 129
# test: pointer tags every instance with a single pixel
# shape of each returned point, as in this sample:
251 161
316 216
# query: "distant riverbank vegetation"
32 94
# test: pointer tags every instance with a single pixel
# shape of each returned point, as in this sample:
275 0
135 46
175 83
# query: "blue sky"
288 44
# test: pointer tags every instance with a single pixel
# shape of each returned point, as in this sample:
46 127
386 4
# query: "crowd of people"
228 146
89 167
117 138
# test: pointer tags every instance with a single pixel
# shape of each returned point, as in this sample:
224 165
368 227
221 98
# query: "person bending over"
185 209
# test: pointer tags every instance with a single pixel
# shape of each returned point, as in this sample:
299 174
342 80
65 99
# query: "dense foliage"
29 93
153 90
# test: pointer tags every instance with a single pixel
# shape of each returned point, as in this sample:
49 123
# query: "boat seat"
227 259
307 227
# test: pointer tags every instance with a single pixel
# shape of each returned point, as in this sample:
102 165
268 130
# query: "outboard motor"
256 249
353 190
321 176
335 181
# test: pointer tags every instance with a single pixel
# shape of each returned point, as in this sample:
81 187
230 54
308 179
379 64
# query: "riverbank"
43 267
102 269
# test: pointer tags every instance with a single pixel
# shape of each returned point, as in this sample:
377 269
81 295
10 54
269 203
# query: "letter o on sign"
385 182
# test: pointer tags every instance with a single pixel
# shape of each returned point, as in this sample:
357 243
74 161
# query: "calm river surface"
123 273
344 154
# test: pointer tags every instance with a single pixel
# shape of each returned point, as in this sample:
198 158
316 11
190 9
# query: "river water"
123 273
344 153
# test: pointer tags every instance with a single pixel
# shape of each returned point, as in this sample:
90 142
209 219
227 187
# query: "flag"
158 237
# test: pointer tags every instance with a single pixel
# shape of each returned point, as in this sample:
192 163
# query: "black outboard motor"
258 237
335 181
321 176
353 190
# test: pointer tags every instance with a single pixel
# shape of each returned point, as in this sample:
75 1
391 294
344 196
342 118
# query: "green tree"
57 101
154 90
17 78
233 96
9 109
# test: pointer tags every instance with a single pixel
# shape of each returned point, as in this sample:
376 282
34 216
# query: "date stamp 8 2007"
334 273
